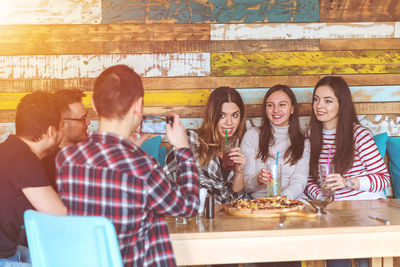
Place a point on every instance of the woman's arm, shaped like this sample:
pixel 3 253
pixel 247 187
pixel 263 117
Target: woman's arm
pixel 369 172
pixel 313 191
pixel 377 178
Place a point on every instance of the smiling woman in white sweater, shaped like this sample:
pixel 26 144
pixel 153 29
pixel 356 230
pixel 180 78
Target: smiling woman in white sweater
pixel 279 132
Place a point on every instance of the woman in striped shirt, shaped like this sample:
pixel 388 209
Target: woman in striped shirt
pixel 360 172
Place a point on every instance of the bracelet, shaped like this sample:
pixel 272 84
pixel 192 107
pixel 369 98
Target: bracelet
pixel 349 183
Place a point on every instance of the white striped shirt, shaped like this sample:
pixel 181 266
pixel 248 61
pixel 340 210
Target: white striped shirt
pixel 368 167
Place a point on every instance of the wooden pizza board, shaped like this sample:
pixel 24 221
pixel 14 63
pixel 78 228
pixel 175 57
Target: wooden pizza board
pixel 295 212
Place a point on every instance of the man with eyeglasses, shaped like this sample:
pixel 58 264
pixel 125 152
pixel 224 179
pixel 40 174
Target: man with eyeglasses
pixel 76 122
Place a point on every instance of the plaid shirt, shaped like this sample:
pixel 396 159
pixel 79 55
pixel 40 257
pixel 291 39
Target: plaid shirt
pixel 107 175
pixel 212 177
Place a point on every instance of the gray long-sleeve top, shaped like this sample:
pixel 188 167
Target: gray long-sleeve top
pixel 294 177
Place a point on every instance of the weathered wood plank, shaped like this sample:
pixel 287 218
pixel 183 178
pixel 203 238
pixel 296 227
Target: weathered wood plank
pixel 145 47
pixel 50 12
pixel 360 10
pixel 102 33
pixel 86 84
pixel 359 44
pixel 397 30
pixel 196 97
pixel 213 11
pixel 90 66
pixel 253 110
pixel 302 31
pixel 305 63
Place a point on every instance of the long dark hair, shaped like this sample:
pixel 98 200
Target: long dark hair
pixel 210 140
pixel 296 148
pixel 344 155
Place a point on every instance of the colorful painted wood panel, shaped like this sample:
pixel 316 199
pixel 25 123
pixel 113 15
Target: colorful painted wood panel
pixel 374 95
pixel 71 66
pixel 50 12
pixel 211 11
pixel 305 63
pixel 302 31
pixel 360 10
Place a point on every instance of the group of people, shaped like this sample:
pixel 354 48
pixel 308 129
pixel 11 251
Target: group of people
pixel 334 132
pixel 51 165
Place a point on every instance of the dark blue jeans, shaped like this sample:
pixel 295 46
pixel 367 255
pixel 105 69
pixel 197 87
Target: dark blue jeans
pixel 21 258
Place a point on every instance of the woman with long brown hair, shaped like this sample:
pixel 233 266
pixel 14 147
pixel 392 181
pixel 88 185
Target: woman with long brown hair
pixel 279 132
pixel 224 118
pixel 335 133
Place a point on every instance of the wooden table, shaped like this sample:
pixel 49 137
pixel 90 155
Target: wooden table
pixel 345 231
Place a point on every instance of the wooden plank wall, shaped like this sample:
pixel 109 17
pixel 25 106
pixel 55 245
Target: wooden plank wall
pixel 184 49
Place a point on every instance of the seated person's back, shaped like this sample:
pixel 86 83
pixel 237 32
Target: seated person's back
pixel 108 175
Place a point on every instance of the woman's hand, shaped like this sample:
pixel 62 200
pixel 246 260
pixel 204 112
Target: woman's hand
pixel 237 156
pixel 264 177
pixel 335 181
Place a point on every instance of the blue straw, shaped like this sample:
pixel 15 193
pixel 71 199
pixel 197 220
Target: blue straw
pixel 274 188
pixel 277 158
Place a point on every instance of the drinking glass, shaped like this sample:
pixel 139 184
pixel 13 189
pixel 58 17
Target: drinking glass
pixel 227 163
pixel 324 170
pixel 274 187
pixel 181 220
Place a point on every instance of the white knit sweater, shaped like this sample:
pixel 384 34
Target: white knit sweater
pixel 294 177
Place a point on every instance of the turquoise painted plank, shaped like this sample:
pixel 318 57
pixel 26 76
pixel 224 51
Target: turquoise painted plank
pixel 212 11
pixel 390 93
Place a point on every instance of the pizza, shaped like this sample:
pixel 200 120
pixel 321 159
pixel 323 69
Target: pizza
pixel 266 207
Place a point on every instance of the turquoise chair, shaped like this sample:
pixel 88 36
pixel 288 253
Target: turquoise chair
pixel 153 147
pixel 79 241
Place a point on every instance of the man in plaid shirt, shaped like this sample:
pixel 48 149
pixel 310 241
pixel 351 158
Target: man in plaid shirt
pixel 107 175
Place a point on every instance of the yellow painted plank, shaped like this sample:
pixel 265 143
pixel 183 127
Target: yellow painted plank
pixel 305 63
pixel 9 101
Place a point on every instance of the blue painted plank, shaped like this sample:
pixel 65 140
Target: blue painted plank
pixel 212 11
pixel 390 93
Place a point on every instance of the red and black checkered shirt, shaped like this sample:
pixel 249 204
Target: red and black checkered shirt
pixel 107 175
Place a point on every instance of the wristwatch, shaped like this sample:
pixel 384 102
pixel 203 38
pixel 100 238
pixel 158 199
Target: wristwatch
pixel 349 183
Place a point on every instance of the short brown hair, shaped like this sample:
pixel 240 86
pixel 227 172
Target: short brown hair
pixel 36 112
pixel 115 90
pixel 65 97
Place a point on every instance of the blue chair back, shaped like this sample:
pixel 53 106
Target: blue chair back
pixel 87 241
pixel 152 146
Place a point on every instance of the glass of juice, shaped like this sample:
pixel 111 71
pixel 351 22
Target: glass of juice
pixel 227 163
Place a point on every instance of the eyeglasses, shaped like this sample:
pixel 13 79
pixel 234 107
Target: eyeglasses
pixel 84 119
